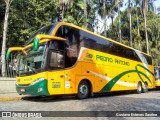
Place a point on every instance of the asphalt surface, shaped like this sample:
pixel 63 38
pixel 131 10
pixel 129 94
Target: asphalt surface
pixel 111 102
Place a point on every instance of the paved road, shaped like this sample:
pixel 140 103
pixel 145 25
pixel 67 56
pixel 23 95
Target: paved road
pixel 110 102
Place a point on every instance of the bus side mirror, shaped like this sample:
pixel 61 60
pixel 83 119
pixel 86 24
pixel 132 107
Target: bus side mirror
pixel 38 39
pixel 36 43
pixel 8 54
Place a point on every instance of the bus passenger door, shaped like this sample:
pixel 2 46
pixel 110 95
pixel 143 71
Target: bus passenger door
pixel 56 72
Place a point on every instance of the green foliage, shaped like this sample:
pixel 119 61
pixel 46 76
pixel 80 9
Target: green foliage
pixel 76 14
pixel 2 13
pixel 26 16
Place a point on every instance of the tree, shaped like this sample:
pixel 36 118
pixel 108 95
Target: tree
pixel 2 13
pixel 8 3
pixel 64 5
pixel 29 19
pixel 119 21
pixel 117 7
pixel 130 22
pixel 38 14
pixel 158 10
pixel 2 9
pixel 145 7
pixel 104 17
pixel 136 6
pixel 81 14
pixel 115 31
pixel 85 13
pixel 105 7
pixel 153 31
pixel 151 5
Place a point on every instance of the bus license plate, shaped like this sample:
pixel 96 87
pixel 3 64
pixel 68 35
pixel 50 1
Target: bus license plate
pixel 22 90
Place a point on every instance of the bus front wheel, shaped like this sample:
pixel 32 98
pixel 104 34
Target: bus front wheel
pixel 139 88
pixel 83 90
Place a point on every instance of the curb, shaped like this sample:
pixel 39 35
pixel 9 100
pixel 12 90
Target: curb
pixel 7 79
pixel 5 99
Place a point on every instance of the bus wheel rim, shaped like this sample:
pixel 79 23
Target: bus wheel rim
pixel 83 89
pixel 145 86
pixel 139 87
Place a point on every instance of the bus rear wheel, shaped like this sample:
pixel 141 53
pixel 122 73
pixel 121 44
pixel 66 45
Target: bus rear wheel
pixel 145 89
pixel 139 88
pixel 83 90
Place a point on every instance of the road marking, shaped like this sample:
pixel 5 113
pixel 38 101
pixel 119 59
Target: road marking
pixel 5 99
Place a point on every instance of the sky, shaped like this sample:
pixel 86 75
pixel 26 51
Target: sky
pixel 100 29
pixel 157 3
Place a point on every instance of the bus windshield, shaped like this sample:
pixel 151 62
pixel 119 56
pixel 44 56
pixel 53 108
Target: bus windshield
pixel 33 61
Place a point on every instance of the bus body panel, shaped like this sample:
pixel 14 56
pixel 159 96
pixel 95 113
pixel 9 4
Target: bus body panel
pixel 25 80
pixel 98 70
pixel 105 72
pixel 107 67
pixel 33 85
pixel 56 82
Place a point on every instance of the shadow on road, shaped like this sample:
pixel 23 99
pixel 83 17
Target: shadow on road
pixel 56 98
pixel 48 98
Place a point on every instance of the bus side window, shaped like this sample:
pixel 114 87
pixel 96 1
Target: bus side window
pixel 121 51
pixel 71 46
pixel 113 48
pixel 56 60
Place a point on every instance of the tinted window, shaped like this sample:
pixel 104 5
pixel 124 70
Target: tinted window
pixel 56 60
pixel 71 44
pixel 57 45
pixel 96 43
pixel 84 39
pixel 122 51
pixel 149 59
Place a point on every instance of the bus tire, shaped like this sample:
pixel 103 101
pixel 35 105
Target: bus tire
pixel 145 89
pixel 83 90
pixel 139 88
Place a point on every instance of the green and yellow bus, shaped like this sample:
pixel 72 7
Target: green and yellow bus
pixel 63 58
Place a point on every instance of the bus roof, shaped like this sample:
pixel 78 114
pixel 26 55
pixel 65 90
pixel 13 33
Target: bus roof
pixel 74 26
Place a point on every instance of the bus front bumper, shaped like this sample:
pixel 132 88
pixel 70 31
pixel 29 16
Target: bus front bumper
pixel 39 87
